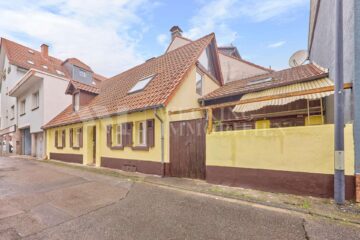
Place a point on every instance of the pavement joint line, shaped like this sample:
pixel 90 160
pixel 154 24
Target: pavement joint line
pixel 248 202
pixel 307 237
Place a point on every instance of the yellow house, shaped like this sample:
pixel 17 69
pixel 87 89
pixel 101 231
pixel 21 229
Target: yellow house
pixel 125 124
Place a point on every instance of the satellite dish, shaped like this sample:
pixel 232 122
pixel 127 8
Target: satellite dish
pixel 299 58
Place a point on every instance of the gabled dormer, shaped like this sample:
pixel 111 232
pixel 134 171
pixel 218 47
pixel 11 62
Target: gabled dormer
pixel 81 93
pixel 79 71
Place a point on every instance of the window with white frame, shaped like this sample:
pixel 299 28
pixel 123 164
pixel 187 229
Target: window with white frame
pixel 22 107
pixel 141 133
pixel 77 137
pixel 12 112
pixel 118 135
pixel 82 73
pixel 76 102
pixel 35 100
pixel 141 84
pixel 199 83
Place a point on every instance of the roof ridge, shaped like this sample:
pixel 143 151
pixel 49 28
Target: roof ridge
pixel 250 63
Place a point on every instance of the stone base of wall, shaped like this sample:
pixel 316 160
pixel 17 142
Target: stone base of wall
pixel 309 184
pixel 66 157
pixel 357 184
pixel 147 167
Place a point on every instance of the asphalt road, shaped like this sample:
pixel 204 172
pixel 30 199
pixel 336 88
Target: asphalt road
pixel 44 201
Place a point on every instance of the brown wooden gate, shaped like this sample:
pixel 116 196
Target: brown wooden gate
pixel 187 149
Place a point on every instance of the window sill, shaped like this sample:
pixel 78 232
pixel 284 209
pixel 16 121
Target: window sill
pixel 34 108
pixel 140 148
pixel 59 147
pixel 117 147
pixel 75 147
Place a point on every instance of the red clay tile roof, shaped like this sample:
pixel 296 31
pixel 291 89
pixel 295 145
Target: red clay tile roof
pixel 85 87
pixel 78 63
pixel 280 78
pixel 99 77
pixel 169 69
pixel 19 55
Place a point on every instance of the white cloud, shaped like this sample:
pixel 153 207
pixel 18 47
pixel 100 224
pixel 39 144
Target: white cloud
pixel 264 10
pixel 163 39
pixel 213 16
pixel 217 15
pixel 101 33
pixel 277 44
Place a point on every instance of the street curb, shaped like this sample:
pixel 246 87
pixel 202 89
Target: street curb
pixel 144 179
pixel 269 205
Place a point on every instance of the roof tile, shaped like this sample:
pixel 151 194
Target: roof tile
pixel 113 98
pixel 284 77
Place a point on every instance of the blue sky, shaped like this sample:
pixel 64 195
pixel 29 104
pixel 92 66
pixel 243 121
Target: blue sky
pixel 113 35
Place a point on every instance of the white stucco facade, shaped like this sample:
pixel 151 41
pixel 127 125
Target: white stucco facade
pixel 51 101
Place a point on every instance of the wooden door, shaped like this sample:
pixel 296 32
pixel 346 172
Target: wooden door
pixel 187 149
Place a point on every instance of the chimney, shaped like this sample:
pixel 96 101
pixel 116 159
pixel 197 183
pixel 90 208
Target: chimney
pixel 175 32
pixel 44 50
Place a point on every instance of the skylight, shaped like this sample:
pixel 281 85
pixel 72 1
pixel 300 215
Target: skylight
pixel 60 73
pixel 30 62
pixel 30 51
pixel 258 81
pixel 45 67
pixel 140 85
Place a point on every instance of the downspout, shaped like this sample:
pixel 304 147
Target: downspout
pixel 162 142
pixel 356 96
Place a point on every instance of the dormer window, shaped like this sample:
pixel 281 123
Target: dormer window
pixel 82 73
pixel 140 85
pixel 76 102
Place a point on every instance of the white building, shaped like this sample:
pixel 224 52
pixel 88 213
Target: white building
pixel 33 86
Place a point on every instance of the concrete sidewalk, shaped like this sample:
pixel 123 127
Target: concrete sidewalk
pixel 54 200
pixel 326 208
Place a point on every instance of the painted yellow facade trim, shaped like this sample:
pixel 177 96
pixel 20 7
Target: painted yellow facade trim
pixel 298 149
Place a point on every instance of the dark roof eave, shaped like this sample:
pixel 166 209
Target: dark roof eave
pixel 105 116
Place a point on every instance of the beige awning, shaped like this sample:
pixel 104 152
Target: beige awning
pixel 298 87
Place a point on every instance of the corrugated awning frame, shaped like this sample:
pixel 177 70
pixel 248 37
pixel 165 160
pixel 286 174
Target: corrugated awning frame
pixel 305 86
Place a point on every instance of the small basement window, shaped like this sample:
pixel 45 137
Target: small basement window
pixel 140 85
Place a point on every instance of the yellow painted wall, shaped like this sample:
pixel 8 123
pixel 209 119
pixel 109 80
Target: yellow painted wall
pixel 184 98
pixel 154 154
pixel 298 149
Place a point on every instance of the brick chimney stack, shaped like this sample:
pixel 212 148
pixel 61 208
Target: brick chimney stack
pixel 44 50
pixel 175 32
